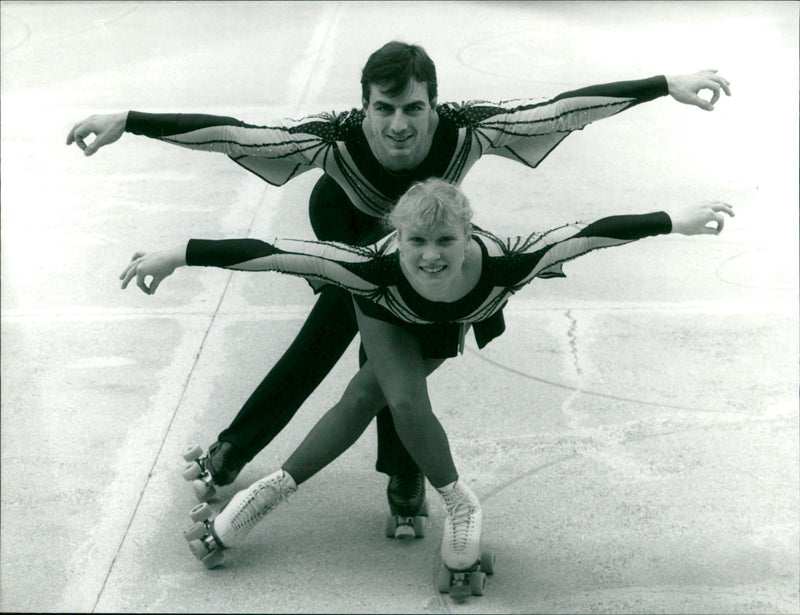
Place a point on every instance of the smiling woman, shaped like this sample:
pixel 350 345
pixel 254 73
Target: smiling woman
pixel 434 273
pixel 438 257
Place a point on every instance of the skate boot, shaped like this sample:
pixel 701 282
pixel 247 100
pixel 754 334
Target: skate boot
pixel 408 509
pixel 210 534
pixel 464 564
pixel 218 467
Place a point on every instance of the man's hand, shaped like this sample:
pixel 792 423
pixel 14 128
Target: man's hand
pixel 686 88
pixel 157 265
pixel 107 128
pixel 693 220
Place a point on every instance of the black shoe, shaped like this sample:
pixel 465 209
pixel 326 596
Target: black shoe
pixel 406 494
pixel 224 463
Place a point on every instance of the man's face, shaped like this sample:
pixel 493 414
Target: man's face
pixel 399 128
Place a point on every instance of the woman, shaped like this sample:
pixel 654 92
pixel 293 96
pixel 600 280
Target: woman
pixel 435 272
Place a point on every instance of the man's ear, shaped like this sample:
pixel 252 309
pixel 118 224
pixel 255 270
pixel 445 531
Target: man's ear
pixel 433 103
pixel 364 103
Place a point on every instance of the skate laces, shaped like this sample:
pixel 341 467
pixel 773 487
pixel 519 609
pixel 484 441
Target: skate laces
pixel 263 497
pixel 462 518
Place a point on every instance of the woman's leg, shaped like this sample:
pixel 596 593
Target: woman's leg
pixel 400 370
pixel 396 359
pixel 323 338
pixel 341 426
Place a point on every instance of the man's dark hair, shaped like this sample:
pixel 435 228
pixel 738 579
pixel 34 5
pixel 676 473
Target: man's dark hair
pixel 392 67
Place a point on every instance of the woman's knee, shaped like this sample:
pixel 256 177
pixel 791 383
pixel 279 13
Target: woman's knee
pixel 405 406
pixel 363 398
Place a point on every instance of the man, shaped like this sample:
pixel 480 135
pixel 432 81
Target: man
pixel 370 157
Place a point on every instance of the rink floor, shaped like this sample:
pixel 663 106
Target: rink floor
pixel 633 437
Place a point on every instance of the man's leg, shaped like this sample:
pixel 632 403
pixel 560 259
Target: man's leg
pixel 334 217
pixel 326 334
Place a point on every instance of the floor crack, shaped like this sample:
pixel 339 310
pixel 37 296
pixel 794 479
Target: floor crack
pixel 572 339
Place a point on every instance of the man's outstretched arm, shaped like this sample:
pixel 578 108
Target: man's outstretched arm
pixel 687 88
pixel 110 127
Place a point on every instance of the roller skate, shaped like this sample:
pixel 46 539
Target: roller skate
pixel 407 505
pixel 218 467
pixel 211 535
pixel 464 564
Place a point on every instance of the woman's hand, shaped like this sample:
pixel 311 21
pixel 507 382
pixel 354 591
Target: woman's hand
pixel 157 265
pixel 107 128
pixel 694 220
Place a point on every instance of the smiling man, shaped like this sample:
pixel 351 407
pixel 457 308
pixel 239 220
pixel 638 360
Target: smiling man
pixel 370 157
pixel 399 126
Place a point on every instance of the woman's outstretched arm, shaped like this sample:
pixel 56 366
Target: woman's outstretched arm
pixel 158 265
pixel 350 267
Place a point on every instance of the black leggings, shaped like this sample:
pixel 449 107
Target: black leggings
pixel 323 338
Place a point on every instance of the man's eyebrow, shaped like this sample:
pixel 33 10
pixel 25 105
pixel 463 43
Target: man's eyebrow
pixel 413 103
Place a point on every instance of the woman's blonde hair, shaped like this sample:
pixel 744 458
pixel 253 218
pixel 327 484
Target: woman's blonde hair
pixel 431 202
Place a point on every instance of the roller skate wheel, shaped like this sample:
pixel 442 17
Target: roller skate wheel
pixel 195 532
pixel 419 526
pixel 460 591
pixel 213 559
pixel 477 583
pixel 192 470
pixel 404 531
pixel 391 526
pixel 191 453
pixel 443 580
pixel 488 560
pixel 198 549
pixel 201 512
pixel 203 491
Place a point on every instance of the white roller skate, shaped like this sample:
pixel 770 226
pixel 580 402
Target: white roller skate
pixel 210 534
pixel 464 564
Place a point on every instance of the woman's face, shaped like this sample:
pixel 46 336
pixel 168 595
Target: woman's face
pixel 433 256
